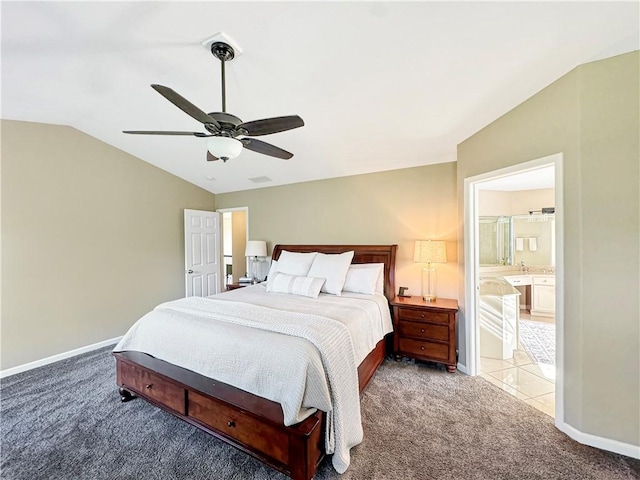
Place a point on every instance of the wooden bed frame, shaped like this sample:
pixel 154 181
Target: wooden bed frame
pixel 250 423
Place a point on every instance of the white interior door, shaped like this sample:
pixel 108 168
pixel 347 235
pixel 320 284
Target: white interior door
pixel 203 268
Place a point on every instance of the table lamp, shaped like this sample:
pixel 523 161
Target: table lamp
pixel 253 250
pixel 430 252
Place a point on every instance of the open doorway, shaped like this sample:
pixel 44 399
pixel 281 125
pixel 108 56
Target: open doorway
pixel 513 275
pixel 235 231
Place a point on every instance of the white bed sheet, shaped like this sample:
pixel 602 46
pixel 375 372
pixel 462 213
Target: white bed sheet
pixel 367 327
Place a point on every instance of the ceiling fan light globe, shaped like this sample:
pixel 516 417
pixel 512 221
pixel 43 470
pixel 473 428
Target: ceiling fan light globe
pixel 224 148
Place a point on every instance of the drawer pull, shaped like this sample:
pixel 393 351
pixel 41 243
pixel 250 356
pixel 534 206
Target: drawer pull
pixel 231 423
pixel 422 330
pixel 148 386
pixel 422 315
pixel 422 347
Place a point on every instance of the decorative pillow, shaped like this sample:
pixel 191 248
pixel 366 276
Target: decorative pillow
pixel 295 263
pixel 294 284
pixel 364 278
pixel 333 268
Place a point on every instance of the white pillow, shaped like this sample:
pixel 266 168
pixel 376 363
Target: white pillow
pixel 294 284
pixel 380 282
pixel 333 268
pixel 295 263
pixel 364 278
pixel 272 269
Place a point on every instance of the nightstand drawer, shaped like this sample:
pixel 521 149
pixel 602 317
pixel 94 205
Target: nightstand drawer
pixel 423 330
pixel 422 315
pixel 417 348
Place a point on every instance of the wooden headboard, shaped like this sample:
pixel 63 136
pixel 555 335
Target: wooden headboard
pixel 361 254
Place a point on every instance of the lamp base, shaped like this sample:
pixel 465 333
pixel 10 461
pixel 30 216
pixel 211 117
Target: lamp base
pixel 429 283
pixel 254 270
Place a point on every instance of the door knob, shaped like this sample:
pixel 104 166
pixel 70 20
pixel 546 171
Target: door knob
pixel 189 272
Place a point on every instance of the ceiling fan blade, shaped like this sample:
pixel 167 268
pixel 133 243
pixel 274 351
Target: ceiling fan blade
pixel 155 132
pixel 265 148
pixel 272 125
pixel 185 105
pixel 211 158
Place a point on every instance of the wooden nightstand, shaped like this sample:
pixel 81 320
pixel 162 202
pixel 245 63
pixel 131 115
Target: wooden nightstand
pixel 425 330
pixel 233 286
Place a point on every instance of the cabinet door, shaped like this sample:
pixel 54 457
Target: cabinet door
pixel 544 299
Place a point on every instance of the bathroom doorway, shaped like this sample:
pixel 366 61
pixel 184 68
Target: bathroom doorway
pixel 513 271
pixel 235 233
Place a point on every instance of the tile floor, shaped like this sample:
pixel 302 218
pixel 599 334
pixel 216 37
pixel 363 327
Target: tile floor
pixel 534 383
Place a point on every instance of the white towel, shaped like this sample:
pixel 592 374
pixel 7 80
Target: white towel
pixel 519 244
pixel 533 244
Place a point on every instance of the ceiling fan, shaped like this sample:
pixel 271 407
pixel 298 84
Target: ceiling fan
pixel 223 128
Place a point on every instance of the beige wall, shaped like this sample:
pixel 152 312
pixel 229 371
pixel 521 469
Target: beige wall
pixel 591 116
pixel 517 202
pixel 525 200
pixel 92 238
pixel 494 203
pixel 398 207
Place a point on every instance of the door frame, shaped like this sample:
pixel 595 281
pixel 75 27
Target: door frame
pixel 471 267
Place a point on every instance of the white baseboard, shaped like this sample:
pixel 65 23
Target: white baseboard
pixel 56 358
pixel 462 368
pixel 602 443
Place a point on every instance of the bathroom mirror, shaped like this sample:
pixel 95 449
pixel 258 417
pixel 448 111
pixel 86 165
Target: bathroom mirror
pixel 534 239
pixel 495 240
pixel 509 240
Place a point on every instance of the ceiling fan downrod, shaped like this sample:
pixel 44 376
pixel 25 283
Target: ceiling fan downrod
pixel 223 52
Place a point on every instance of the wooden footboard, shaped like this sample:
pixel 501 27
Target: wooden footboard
pixel 248 422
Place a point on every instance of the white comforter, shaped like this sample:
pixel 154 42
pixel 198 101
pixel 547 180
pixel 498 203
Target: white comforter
pixel 300 352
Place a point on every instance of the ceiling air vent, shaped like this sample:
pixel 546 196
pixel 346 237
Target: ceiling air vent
pixel 262 179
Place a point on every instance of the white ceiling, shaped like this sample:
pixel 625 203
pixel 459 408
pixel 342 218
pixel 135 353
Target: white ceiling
pixel 380 85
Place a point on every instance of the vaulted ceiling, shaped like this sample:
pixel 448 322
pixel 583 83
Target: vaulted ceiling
pixel 380 85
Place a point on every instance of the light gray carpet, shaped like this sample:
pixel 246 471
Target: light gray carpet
pixel 65 421
pixel 539 340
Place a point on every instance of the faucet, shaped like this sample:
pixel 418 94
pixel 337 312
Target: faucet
pixel 523 268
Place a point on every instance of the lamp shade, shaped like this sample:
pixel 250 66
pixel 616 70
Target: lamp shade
pixel 430 251
pixel 224 148
pixel 256 248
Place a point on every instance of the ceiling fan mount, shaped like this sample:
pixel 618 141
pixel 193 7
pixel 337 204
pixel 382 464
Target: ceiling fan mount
pixel 222 51
pixel 223 127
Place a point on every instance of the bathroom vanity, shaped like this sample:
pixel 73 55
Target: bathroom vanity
pixel 543 295
pixel 538 292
